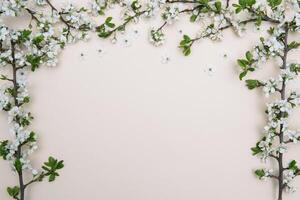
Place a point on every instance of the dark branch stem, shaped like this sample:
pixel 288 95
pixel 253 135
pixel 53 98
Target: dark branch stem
pixel 162 26
pixel 189 9
pixel 129 19
pixel 282 94
pixel 227 3
pixel 69 26
pixel 265 18
pixel 32 14
pixel 15 95
pixel 36 179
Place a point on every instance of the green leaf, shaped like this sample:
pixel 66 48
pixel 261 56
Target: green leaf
pixel 51 177
pixel 111 25
pixel 252 83
pixel 24 36
pixel 102 32
pixel 51 167
pixel 293 45
pixel 238 8
pixel 18 165
pixel 31 138
pixel 245 3
pixel 243 63
pixel 34 61
pixel 185 45
pixel 101 12
pixel 293 165
pixel 60 164
pixel 135 5
pixel 249 56
pixel 13 191
pixel 274 3
pixel 108 19
pixel 258 20
pixel 37 40
pixel 203 2
pixel 251 2
pixel 187 51
pixel 242 75
pixel 3 150
pixel 186 38
pixel 260 173
pixel 255 150
pixel 218 6
pixel 193 18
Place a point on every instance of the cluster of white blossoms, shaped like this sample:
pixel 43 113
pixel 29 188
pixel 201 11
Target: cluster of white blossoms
pixel 5 100
pixel 274 84
pixel 40 2
pixel 279 111
pixel 225 17
pixel 152 7
pixel 12 7
pixel 171 14
pixel 157 37
pixel 76 19
pixel 288 177
pixel 294 98
pixel 267 173
pixel 271 86
pixel 269 48
pixel 274 46
pixel 97 6
pixel 292 136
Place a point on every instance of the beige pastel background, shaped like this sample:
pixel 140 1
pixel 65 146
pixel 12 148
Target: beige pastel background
pixel 132 128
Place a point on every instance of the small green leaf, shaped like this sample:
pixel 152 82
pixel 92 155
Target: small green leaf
pixel 255 150
pixel 245 3
pixel 260 173
pixel 293 165
pixel 3 149
pixel 51 167
pixel 108 19
pixel 238 8
pixel 193 18
pixel 60 164
pixel 293 45
pixel 242 75
pixel 24 36
pixel 258 20
pixel 34 61
pixel 252 83
pixel 186 38
pixel 249 56
pixel 218 6
pixel 243 63
pixel 18 165
pixel 111 25
pixel 13 191
pixel 37 40
pixel 187 51
pixel 274 3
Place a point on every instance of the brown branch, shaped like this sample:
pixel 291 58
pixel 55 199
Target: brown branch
pixel 15 94
pixel 281 136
